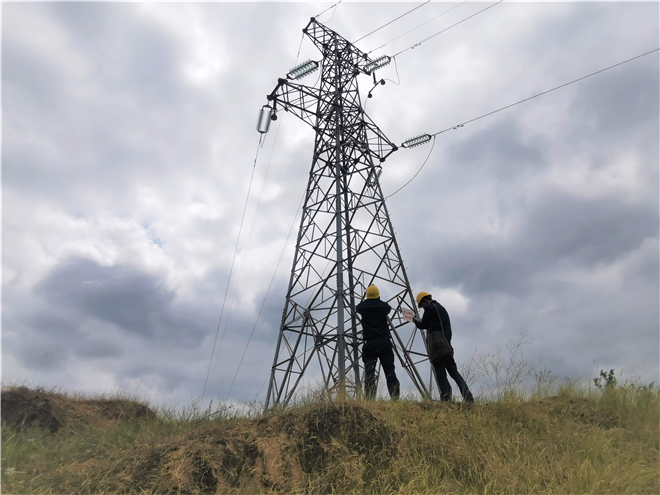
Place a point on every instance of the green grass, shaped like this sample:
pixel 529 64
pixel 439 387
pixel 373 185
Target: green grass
pixel 569 441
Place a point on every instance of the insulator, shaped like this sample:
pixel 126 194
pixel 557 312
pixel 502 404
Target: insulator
pixel 265 115
pixel 417 141
pixel 303 69
pixel 378 63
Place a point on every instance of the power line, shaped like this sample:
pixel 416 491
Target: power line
pixel 263 303
pixel 261 388
pixel 544 92
pixel 416 28
pixel 240 229
pixel 514 104
pixel 446 29
pixel 247 245
pixel 299 47
pixel 331 7
pixel 393 20
pixel 264 300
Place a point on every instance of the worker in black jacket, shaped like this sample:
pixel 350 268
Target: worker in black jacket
pixel 436 319
pixel 377 343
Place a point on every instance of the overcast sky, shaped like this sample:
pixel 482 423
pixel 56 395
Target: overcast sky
pixel 129 139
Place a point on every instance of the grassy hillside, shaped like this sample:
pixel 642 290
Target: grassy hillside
pixel 570 442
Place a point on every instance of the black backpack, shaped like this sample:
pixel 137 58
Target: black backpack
pixel 438 346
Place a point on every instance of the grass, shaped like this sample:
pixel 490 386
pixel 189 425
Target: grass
pixel 561 440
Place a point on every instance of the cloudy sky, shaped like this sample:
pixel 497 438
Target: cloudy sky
pixel 129 140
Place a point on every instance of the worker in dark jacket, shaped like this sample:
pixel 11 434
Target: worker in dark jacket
pixel 436 319
pixel 377 343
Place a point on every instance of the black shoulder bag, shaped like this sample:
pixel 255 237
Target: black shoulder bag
pixel 439 347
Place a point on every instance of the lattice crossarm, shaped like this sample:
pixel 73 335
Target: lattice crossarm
pixel 302 101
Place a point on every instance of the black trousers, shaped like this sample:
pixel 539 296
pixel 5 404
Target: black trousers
pixel 372 351
pixel 448 366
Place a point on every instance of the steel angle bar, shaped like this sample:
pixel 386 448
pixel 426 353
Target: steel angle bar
pixel 300 375
pixel 408 365
pixel 343 187
pixel 373 247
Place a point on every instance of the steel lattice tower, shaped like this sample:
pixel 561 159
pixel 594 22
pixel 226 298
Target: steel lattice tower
pixel 346 241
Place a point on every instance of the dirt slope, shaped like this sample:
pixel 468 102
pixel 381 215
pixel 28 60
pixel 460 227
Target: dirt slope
pixel 23 408
pixel 561 444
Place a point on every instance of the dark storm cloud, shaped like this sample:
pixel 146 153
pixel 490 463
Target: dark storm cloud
pixel 572 39
pixel 42 346
pixel 643 271
pixel 168 377
pixel 588 318
pixel 497 150
pixel 96 348
pixel 54 321
pixel 607 325
pixel 271 314
pixel 558 231
pixel 133 300
pixel 37 336
pixel 562 228
pixel 606 104
pixel 605 109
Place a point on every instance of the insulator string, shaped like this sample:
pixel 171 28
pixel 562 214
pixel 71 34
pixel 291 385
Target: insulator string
pixel 518 103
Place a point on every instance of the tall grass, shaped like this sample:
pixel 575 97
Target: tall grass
pixel 529 432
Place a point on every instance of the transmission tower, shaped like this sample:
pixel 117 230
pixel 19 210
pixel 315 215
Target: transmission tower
pixel 346 241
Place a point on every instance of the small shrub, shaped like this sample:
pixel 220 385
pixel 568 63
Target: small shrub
pixel 606 381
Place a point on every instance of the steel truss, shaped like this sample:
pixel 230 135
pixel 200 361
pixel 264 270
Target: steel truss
pixel 345 242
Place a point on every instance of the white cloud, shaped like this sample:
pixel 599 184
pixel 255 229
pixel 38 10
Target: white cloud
pixel 129 141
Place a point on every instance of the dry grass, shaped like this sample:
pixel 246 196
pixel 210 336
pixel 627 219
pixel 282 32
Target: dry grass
pixel 569 442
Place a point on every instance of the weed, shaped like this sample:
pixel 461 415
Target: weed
pixel 575 440
pixel 503 374
pixel 606 380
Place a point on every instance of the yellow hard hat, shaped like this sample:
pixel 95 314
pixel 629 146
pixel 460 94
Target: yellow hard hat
pixel 421 296
pixel 373 292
